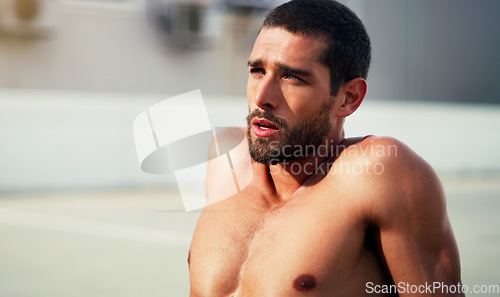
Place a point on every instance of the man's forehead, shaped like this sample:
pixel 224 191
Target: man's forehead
pixel 269 34
pixel 277 44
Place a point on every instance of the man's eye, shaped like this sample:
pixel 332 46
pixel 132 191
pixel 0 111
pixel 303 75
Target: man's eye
pixel 256 71
pixel 292 77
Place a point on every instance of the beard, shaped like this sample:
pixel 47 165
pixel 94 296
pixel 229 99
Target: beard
pixel 293 142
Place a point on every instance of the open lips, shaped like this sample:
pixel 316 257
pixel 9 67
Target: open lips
pixel 263 127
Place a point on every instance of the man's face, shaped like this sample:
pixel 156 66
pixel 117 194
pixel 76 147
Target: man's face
pixel 289 96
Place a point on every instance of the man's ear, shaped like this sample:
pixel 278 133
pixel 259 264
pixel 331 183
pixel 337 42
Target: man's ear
pixel 354 93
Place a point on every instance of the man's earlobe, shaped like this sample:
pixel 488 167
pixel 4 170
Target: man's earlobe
pixel 355 91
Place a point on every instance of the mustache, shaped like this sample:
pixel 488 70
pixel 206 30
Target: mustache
pixel 264 114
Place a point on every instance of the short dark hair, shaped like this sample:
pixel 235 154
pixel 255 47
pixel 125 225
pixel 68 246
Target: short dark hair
pixel 347 53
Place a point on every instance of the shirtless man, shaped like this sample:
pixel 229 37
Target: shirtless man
pixel 323 215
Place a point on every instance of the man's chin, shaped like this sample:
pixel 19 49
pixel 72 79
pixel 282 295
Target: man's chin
pixel 263 159
pixel 267 158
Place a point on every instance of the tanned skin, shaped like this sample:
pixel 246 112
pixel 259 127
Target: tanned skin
pixel 371 210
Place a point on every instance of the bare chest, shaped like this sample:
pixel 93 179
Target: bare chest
pixel 304 246
pixel 300 247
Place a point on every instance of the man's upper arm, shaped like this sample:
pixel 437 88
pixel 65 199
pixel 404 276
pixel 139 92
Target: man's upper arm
pixel 417 242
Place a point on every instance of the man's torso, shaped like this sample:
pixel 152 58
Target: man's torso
pixel 319 241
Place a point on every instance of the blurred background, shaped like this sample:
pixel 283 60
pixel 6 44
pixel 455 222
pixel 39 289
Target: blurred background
pixel 77 215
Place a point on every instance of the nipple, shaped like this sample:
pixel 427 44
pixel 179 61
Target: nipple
pixel 304 282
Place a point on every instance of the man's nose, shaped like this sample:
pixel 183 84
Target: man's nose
pixel 268 93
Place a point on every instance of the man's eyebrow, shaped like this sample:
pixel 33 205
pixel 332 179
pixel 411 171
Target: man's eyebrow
pixel 292 69
pixel 254 63
pixel 258 63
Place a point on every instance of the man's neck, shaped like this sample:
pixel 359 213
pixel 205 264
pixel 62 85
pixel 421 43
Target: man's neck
pixel 287 177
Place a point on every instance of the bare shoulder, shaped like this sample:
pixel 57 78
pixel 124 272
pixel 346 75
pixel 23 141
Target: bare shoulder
pixel 387 158
pixel 392 177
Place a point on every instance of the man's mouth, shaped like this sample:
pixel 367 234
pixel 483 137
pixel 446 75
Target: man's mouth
pixel 263 128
